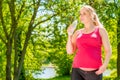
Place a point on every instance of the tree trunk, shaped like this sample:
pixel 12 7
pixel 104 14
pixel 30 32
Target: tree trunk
pixel 118 60
pixel 22 74
pixel 118 46
pixel 8 64
pixel 20 65
pixel 28 35
pixel 17 58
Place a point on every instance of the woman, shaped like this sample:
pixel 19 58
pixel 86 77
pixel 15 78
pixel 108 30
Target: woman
pixel 87 43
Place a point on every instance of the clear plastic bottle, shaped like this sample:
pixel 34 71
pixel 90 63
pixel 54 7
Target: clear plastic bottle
pixel 73 27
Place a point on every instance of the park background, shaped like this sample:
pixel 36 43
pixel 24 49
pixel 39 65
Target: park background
pixel 33 35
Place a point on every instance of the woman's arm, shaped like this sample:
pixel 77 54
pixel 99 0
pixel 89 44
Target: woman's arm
pixel 107 49
pixel 71 43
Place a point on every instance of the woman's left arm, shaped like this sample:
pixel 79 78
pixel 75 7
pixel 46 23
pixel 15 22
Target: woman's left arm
pixel 107 49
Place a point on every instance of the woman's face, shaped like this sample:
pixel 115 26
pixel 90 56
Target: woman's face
pixel 84 16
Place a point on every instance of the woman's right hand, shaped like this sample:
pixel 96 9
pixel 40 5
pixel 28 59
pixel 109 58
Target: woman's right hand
pixel 72 27
pixel 70 30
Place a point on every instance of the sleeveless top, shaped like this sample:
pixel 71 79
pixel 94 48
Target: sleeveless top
pixel 89 50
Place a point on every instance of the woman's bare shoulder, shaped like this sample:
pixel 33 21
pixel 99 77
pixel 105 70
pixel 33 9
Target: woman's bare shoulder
pixel 102 31
pixel 76 33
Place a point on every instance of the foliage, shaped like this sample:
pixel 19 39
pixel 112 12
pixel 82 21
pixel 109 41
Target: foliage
pixel 57 33
pixel 49 36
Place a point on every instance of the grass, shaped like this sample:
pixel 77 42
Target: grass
pixel 68 78
pixel 57 78
pixel 61 78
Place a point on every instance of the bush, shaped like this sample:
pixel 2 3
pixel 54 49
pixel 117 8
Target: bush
pixel 63 61
pixel 110 78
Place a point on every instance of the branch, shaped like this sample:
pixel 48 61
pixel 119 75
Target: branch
pixel 2 20
pixel 2 39
pixel 20 12
pixel 15 56
pixel 34 2
pixel 34 14
pixel 44 20
pixel 13 18
pixel 28 35
pixel 12 9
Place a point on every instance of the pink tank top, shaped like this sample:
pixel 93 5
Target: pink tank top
pixel 89 50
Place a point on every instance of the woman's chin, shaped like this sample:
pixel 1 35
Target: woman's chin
pixel 82 22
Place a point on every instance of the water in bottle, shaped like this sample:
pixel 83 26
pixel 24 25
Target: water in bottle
pixel 73 25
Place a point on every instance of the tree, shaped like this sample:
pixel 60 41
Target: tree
pixel 23 34
pixel 16 12
pixel 117 4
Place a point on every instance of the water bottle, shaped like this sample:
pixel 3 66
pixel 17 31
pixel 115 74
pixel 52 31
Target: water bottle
pixel 73 27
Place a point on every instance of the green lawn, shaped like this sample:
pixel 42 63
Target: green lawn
pixel 68 78
pixel 61 78
pixel 57 78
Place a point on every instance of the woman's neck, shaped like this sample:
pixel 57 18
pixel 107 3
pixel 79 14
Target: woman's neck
pixel 88 27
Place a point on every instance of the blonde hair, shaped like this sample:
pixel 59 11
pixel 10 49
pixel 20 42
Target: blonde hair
pixel 93 14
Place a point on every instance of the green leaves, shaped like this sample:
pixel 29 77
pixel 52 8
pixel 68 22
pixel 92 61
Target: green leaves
pixel 47 42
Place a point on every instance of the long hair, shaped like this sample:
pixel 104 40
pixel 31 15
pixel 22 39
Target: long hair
pixel 93 14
